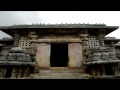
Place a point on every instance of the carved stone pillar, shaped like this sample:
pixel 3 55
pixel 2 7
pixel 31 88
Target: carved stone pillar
pixel 2 68
pixel 115 69
pixel 103 70
pixel 98 70
pixel 93 71
pixel 101 42
pixel 16 39
pixel 113 51
pixel 84 44
pixel 101 35
pixel 20 73
pixel 26 74
pixel 83 35
pixel 33 37
pixel 112 46
pixel 14 73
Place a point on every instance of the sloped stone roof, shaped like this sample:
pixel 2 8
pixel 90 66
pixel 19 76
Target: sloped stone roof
pixel 111 39
pixel 117 44
pixel 92 28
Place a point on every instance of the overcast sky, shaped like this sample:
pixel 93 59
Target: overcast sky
pixel 110 18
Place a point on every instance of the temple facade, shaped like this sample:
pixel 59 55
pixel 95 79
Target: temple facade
pixel 61 51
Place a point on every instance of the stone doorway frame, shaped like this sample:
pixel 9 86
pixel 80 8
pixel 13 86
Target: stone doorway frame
pixel 43 52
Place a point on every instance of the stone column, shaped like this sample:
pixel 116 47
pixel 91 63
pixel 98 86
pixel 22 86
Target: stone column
pixel 26 72
pixel 23 72
pixel 101 35
pixel 112 52
pixel 112 44
pixel 98 70
pixel 83 35
pixel 101 42
pixel 115 69
pixel 32 35
pixel 103 70
pixel 16 39
pixel 20 72
pixel 2 68
pixel 14 72
pixel 93 71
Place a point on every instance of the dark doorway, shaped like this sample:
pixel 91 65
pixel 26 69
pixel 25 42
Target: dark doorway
pixel 8 71
pixel 108 69
pixel 59 55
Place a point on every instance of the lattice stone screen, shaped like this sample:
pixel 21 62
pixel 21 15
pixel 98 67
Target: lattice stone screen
pixel 92 42
pixel 24 42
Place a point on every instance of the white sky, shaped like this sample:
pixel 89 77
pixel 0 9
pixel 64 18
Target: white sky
pixel 110 18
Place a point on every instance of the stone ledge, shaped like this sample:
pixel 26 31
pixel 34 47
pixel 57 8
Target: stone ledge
pixel 16 63
pixel 102 62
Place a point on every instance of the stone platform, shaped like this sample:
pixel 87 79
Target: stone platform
pixel 59 73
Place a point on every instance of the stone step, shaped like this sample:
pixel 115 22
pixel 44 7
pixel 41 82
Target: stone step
pixel 61 71
pixel 58 74
pixel 74 76
pixel 58 77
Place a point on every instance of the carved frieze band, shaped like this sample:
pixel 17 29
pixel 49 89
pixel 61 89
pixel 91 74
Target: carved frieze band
pixel 58 40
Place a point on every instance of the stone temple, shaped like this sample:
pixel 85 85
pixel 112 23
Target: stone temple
pixel 59 51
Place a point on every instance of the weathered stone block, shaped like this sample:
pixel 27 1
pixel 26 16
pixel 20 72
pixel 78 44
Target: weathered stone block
pixel 75 54
pixel 43 55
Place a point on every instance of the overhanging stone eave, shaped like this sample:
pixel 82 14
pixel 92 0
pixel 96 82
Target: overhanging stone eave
pixel 9 30
pixel 58 26
pixel 6 40
pixel 110 30
pixel 111 40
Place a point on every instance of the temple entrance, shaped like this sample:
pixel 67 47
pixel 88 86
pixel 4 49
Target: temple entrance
pixel 8 71
pixel 59 55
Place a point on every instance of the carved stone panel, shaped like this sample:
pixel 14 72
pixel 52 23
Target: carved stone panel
pixel 43 55
pixel 75 54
